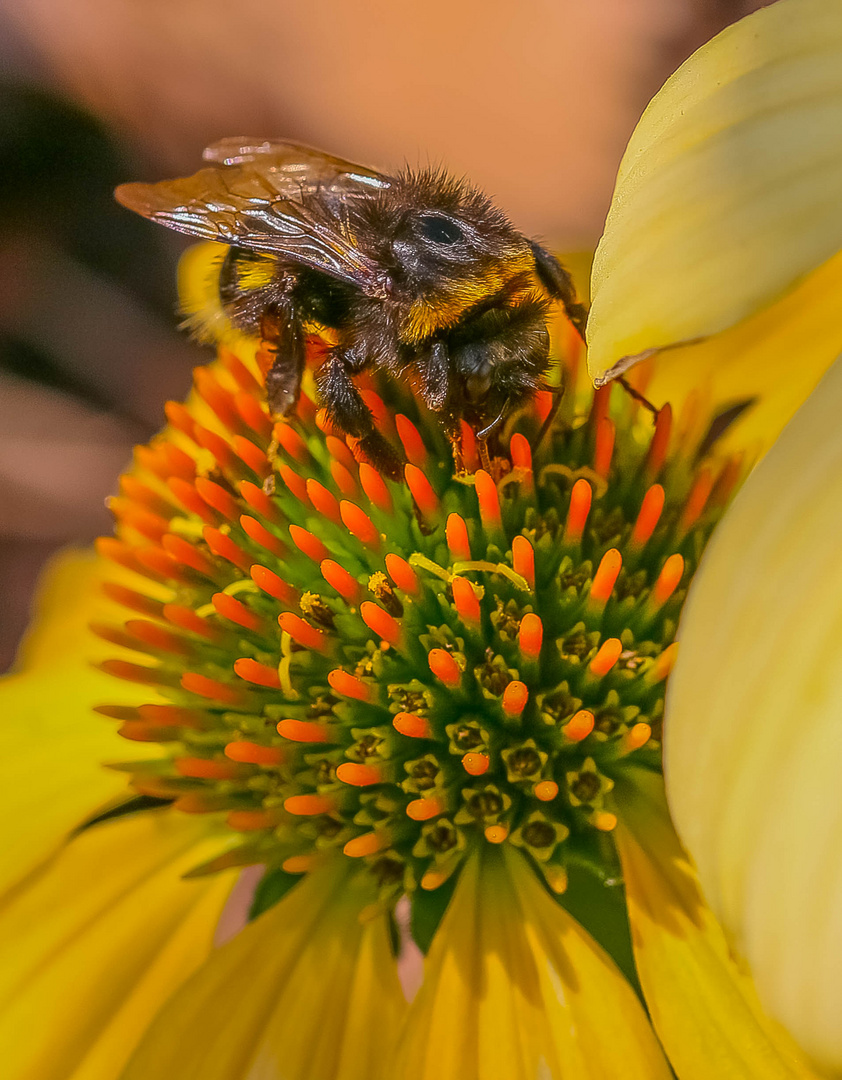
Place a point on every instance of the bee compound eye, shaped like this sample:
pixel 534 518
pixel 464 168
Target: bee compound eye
pixel 439 229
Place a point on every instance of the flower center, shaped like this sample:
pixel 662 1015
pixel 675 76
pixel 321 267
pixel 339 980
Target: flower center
pixel 404 672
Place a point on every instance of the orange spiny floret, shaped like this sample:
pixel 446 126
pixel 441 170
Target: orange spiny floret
pixel 606 657
pixel 367 844
pixel 605 577
pixel 348 685
pixel 324 502
pixel 344 479
pixel 458 542
pixel 137 731
pixel 144 496
pixel 115 635
pixel 253 413
pixel 359 775
pixel 381 623
pixel 599 406
pixel 296 484
pixel 604 448
pixel 521 451
pixel 444 667
pixel 545 790
pixel 604 820
pixel 523 560
pixel 668 579
pixel 252 820
pixel 496 834
pixel 179 417
pixel 410 437
pixel 219 399
pixel 663 664
pixel 308 544
pixel 255 753
pixel 165 460
pixel 121 553
pixel 304 634
pixel 650 514
pixel 216 496
pixel 402 574
pixel 290 441
pixel 425 809
pixel 638 735
pixel 515 697
pixel 250 671
pixel 223 546
pixel 465 601
pixel 133 600
pixel 158 637
pixel 259 501
pixel 135 517
pixel 300 864
pixel 341 452
pixel 476 764
pixel 305 409
pixel 190 498
pixel 304 731
pixel 359 524
pixel 531 636
pixel 326 425
pixel 174 716
pixel 470 457
pixel 581 497
pixel 309 805
pixel 187 619
pixel 659 446
pixel 422 491
pixel 414 727
pixel 375 488
pixel 341 580
pixel 240 373
pixel 542 404
pixel 261 535
pixel 252 455
pixel 235 611
pixel 377 408
pixel 213 689
pixel 579 726
pixel 211 768
pixel 489 501
pixel 146 676
pixel 696 500
pixel 225 456
pixel 188 554
pixel 274 586
pixel 162 565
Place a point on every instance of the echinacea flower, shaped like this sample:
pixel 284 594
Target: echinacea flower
pixel 432 710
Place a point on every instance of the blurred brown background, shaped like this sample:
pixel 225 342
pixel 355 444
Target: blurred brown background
pixel 533 100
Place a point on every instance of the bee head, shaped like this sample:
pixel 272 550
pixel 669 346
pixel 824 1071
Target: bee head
pixel 448 241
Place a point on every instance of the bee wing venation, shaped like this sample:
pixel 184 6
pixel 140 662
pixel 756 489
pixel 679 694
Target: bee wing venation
pixel 273 197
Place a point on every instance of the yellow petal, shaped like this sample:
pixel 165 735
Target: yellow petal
pixel 94 944
pixel 704 1009
pixel 728 193
pixel 754 743
pixel 514 989
pixel 53 743
pixel 305 992
pixel 775 358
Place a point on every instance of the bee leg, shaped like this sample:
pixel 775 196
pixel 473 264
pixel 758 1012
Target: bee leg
pixel 285 338
pixel 559 285
pixel 348 411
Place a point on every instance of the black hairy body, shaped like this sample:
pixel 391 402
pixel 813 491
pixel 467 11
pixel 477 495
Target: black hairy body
pixel 419 275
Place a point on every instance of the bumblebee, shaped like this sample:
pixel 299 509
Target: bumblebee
pixel 417 274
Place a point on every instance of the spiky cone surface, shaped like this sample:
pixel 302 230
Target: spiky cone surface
pixel 401 673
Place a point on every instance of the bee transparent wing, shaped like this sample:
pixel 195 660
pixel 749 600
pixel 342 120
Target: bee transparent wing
pixel 275 198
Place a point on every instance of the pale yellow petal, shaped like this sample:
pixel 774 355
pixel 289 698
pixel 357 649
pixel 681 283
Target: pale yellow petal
pixel 515 989
pixel 95 943
pixel 775 359
pixel 51 776
pixel 305 992
pixel 754 740
pixel 704 1008
pixel 728 193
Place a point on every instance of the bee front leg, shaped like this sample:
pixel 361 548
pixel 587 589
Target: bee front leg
pixel 283 334
pixel 559 285
pixel 348 411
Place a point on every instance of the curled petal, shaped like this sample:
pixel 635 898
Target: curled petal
pixel 728 191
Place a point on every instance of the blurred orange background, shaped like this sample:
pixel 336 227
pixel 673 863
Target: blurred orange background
pixel 533 100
